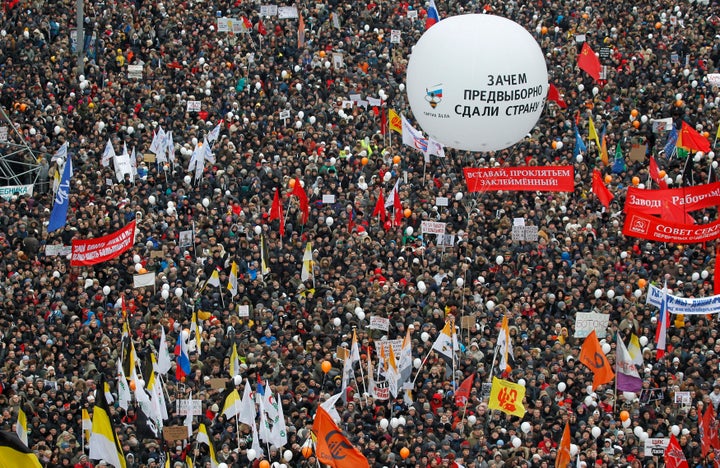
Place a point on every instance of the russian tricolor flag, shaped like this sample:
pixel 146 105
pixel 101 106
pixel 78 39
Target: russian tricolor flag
pixel 432 15
pixel 182 358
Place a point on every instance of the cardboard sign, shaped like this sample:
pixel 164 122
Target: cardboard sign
pixel 467 322
pixel 638 150
pixel 217 383
pixel 173 433
pixel 342 353
pixel 149 157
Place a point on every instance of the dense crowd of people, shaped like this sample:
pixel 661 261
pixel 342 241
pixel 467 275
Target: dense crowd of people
pixel 278 96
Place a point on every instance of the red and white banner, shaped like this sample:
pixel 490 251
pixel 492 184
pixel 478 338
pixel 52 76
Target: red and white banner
pixel 530 178
pixel 101 249
pixel 686 198
pixel 657 229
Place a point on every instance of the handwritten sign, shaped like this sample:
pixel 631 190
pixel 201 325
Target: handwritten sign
pixel 379 323
pixel 183 406
pixel 432 227
pixel 585 322
pixel 173 433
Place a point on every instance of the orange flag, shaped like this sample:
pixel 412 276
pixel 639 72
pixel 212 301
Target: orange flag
pixel 332 447
pixel 562 459
pixel 591 354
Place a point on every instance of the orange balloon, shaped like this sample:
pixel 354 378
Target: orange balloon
pixel 292 183
pixel 658 25
pixel 404 452
pixel 543 30
pixel 326 366
pixel 636 181
pixel 396 159
pixel 608 178
pixel 407 212
pixel 142 271
pixel 364 161
pixel 624 415
pixel 322 54
pixel 634 112
pixel 306 451
pixel 636 124
pixel 554 144
pixel 642 282
pixel 706 134
pixel 585 15
pixel 662 174
pixel 679 103
pixel 132 385
pixel 264 464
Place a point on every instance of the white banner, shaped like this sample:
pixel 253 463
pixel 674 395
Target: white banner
pixel 146 279
pixel 53 250
pixel 714 79
pixel 286 12
pixel 432 227
pixel 383 346
pixel 182 407
pixel 379 323
pixel 135 72
pixel 8 191
pixel 585 322
pixel 684 305
pixel 655 447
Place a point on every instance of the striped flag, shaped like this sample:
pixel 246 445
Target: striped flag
pixel 14 453
pixel 104 443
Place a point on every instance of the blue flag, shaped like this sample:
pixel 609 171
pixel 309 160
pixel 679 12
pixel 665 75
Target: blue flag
pixel 579 143
pixel 671 142
pixel 58 217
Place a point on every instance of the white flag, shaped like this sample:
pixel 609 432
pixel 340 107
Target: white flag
pixel 124 395
pixel 164 363
pixel 329 406
pixel 108 154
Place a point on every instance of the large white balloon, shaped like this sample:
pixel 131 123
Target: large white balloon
pixel 595 431
pixel 475 97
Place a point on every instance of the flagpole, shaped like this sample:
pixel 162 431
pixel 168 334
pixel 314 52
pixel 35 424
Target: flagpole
pixel 362 374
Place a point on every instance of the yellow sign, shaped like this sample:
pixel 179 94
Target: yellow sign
pixel 507 397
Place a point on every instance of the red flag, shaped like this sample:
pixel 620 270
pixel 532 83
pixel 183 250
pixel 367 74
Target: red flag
pixel 716 287
pixel 674 456
pixel 351 222
pixel 276 211
pixel 589 62
pixel 600 189
pixel 332 447
pixel 397 205
pixel 554 95
pixel 247 23
pixel 299 192
pixel 380 207
pixel 383 121
pixel 709 430
pixel 562 459
pixel 261 27
pixel 692 139
pixel 655 173
pixel 462 395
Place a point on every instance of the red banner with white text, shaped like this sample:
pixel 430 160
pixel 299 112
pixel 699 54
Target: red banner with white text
pixel 101 249
pixel 658 229
pixel 530 178
pixel 658 202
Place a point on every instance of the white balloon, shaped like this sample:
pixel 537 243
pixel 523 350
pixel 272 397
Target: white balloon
pixel 178 292
pixel 598 293
pixel 298 87
pixel 643 437
pixel 704 274
pixel 525 427
pixel 417 362
pixel 629 396
pixel 301 114
pixel 361 316
pixel 606 348
pixel 136 258
pixel 490 305
pixel 561 387
pixel 675 429
pixel 401 420
pixel 222 465
pixel 424 336
pixel 387 177
pixel 336 322
pixel 695 276
pixel 516 442
pixel 409 231
pixel 257 230
pixel 329 221
pixel 237 380
pixel 481 279
pixel 623 254
pixel 581 87
pixel 421 286
pixel 460 282
pixel 187 179
pixel 287 455
pixel 333 161
pixel 626 423
pixel 312 119
pixel 637 293
pixel 589 401
pixel 595 431
pixel 138 267
pixel 205 202
pixel 499 259
pixel 579 158
pixel 251 455
pixel 165 287
pixel 472 419
pixel 448 87
pixel 573 450
pixel 106 290
pixel 644 118
pixel 643 341
pixel 521 382
pixel 610 293
pixel 559 145
pixel 394 422
pixel 384 423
